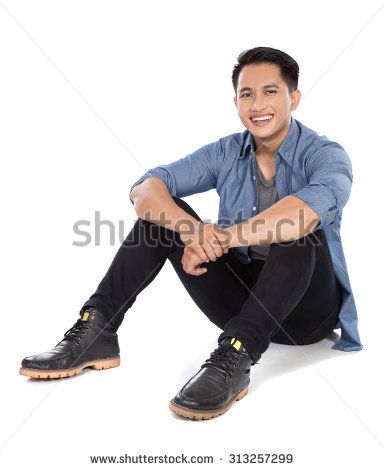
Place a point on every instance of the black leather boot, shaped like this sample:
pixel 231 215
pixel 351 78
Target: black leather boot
pixel 90 342
pixel 221 380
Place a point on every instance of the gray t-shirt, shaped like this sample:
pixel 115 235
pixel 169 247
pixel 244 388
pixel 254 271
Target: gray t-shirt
pixel 266 197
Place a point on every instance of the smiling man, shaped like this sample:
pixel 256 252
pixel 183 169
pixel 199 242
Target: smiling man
pixel 271 270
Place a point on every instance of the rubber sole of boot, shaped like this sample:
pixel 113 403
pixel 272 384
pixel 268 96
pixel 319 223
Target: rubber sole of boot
pixel 98 364
pixel 190 413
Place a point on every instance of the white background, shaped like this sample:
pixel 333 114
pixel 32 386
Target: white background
pixel 92 94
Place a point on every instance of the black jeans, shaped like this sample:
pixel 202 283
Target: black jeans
pixel 291 298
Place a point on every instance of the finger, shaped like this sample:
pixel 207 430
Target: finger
pixel 222 238
pixel 193 268
pixel 193 263
pixel 209 251
pixel 198 271
pixel 224 245
pixel 190 263
pixel 201 253
pixel 205 233
pixel 222 235
pixel 217 248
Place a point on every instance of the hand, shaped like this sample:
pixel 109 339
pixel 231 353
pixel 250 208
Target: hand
pixel 191 262
pixel 209 241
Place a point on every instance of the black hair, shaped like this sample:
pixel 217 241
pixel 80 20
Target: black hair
pixel 289 68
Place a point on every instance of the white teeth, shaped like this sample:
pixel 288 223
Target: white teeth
pixel 264 118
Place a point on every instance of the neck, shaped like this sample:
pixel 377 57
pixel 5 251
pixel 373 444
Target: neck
pixel 269 145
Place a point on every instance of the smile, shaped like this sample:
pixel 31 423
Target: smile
pixel 262 120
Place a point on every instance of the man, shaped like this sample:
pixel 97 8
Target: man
pixel 272 269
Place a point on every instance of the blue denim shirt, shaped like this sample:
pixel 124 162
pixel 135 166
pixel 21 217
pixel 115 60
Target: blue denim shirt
pixel 308 166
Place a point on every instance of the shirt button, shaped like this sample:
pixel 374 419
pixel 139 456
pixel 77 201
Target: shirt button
pixel 254 177
pixel 254 208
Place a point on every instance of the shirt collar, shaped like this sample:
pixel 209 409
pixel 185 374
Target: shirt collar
pixel 287 146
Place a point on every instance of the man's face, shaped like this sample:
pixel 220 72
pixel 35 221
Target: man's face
pixel 261 92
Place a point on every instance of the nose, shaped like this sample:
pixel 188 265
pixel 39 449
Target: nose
pixel 257 103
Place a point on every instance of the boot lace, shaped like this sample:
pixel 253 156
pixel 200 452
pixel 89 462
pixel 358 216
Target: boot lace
pixel 224 358
pixel 77 330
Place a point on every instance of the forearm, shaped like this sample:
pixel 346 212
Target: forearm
pixel 154 203
pixel 289 219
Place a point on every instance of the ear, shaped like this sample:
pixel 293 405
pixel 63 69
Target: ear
pixel 235 100
pixel 295 99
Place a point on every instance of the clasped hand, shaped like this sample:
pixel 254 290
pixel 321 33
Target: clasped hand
pixel 207 243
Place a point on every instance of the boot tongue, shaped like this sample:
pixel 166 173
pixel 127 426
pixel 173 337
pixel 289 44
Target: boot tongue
pixel 236 344
pixel 87 315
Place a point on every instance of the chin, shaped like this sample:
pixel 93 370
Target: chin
pixel 265 131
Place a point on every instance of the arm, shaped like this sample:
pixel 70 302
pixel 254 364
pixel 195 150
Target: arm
pixel 288 219
pixel 153 202
pixel 152 193
pixel 315 206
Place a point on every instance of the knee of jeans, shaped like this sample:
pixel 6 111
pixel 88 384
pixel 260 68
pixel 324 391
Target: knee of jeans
pixel 185 206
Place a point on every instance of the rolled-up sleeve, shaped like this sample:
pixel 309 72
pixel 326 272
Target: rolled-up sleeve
pixel 192 174
pixel 329 173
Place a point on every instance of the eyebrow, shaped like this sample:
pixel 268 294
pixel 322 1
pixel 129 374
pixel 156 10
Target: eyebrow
pixel 247 88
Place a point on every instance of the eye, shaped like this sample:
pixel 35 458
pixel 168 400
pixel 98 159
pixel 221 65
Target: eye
pixel 271 91
pixel 245 95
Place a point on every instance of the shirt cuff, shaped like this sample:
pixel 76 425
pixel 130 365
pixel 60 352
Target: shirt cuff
pixel 318 198
pixel 151 174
